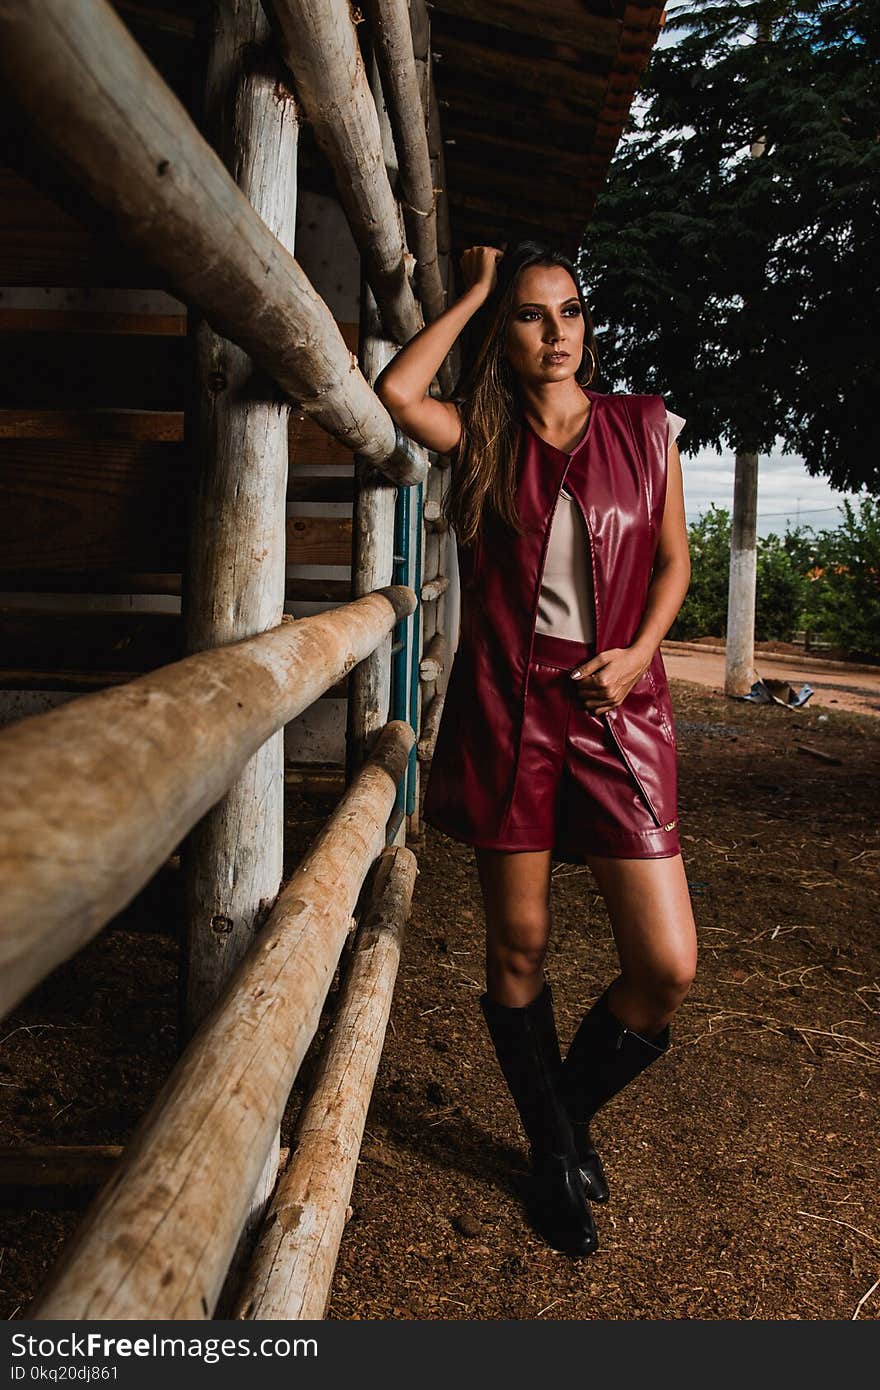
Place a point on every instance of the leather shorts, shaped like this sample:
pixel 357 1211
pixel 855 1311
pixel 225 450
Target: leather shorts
pixel 574 792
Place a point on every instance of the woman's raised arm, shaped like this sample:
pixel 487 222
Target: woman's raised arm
pixel 404 384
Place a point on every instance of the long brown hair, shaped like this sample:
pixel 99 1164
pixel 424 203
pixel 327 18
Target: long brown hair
pixel 486 393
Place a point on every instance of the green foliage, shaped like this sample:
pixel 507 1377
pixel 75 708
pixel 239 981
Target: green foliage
pixel 827 582
pixel 843 601
pixel 704 611
pixel 745 289
pixel 781 591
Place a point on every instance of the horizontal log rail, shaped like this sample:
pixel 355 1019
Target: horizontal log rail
pixel 434 658
pixel 89 91
pixel 433 588
pixel 292 1268
pixel 159 1239
pixel 96 794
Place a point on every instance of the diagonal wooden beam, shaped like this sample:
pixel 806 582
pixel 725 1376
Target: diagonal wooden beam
pixel 90 92
pixel 392 36
pixel 319 44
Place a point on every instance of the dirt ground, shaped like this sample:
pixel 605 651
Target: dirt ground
pixel 744 1165
pixel 857 689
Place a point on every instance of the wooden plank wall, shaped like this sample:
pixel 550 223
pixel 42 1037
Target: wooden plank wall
pixel 95 463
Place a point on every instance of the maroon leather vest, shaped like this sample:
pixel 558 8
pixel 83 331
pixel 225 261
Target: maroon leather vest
pixel 617 474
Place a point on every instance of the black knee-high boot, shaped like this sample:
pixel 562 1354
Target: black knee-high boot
pixel 605 1055
pixel 527 1046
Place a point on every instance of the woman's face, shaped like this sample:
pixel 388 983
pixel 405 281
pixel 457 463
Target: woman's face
pixel 545 335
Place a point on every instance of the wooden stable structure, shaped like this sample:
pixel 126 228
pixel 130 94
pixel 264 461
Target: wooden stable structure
pixel 223 565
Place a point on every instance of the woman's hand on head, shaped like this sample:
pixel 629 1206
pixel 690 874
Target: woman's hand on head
pixel 479 268
pixel 607 678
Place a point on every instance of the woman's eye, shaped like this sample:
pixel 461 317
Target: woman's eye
pixel 571 311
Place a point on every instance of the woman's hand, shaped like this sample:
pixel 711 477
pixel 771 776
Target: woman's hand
pixel 607 678
pixel 479 268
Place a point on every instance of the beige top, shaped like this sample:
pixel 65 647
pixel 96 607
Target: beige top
pixel 565 603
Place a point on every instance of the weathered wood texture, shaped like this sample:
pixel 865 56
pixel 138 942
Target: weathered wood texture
pixel 56 649
pixel 107 785
pixel 120 505
pixel 433 589
pixel 292 1269
pixel 232 860
pixel 429 729
pixel 320 46
pixel 372 560
pixel 434 659
pixel 158 1241
pixel 393 43
pixel 93 426
pixel 86 87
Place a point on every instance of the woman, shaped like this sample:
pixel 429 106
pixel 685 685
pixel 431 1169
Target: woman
pixel 557 738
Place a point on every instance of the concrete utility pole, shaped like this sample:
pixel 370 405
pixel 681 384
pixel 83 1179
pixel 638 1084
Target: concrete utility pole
pixel 739 670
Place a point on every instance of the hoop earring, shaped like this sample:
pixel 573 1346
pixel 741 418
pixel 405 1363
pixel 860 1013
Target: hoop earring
pixel 592 367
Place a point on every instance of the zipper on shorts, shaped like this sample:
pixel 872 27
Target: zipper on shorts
pixel 638 781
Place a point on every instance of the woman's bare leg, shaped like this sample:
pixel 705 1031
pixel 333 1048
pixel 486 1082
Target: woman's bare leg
pixel 516 898
pixel 656 937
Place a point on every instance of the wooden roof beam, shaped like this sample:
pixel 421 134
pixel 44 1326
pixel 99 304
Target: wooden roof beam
pixel 491 65
pixel 567 22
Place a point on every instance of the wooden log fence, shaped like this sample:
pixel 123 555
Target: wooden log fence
pixel 159 1239
pixel 292 1268
pixel 392 33
pixel 434 659
pixel 233 858
pixel 319 44
pixel 90 92
pixel 109 784
pixel 434 588
pixel 96 794
pixel 430 728
pixel 372 559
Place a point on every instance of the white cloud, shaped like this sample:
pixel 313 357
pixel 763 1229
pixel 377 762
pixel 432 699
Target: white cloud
pixel 786 491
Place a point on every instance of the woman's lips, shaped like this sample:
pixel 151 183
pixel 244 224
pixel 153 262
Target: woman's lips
pixel 556 356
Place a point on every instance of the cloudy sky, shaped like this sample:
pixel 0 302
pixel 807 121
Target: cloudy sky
pixel 786 492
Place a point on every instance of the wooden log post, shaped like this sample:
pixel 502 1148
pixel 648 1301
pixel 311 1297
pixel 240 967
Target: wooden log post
pixel 432 568
pixel 393 39
pixel 292 1270
pixel 430 727
pixel 420 24
pixel 319 44
pixel 107 785
pixel 159 1239
pixel 372 561
pixel 233 859
pixel 90 92
pixel 235 579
